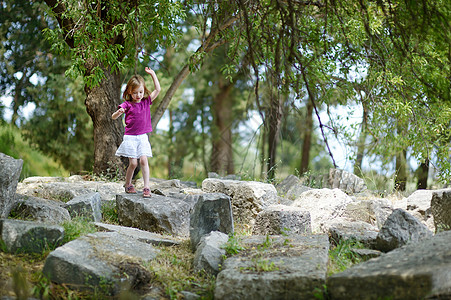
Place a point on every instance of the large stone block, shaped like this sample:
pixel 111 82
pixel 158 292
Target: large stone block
pixel 88 206
pixel 10 170
pixel 441 209
pixel 40 210
pixel 276 267
pixel 157 214
pixel 399 229
pixel 419 270
pixel 212 212
pixel 29 237
pixel 282 219
pixel 248 197
pixel 103 260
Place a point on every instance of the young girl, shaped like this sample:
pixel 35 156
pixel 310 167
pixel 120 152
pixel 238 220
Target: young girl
pixel 137 124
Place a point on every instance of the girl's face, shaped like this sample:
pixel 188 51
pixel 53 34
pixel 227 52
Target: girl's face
pixel 137 93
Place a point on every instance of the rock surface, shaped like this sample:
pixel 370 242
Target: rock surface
pixel 282 219
pixel 209 254
pixel 157 214
pixel 29 237
pixel 399 229
pixel 40 210
pixel 9 176
pixel 101 260
pixel 212 212
pixel 416 271
pixel 324 205
pixel 277 268
pixel 248 197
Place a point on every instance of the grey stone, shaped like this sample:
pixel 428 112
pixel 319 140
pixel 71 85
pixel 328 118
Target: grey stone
pixel 441 209
pixel 282 219
pixel 157 214
pixel 69 189
pixel 248 197
pixel 212 212
pixel 417 270
pixel 209 254
pixel 346 181
pixel 324 205
pixel 357 231
pixel 419 205
pixel 9 177
pixel 140 235
pixel 399 229
pixel 29 237
pixel 286 184
pixel 103 260
pixel 40 210
pixel 295 267
pixel 366 254
pixel 88 206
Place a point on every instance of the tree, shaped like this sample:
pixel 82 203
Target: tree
pixel 104 38
pixel 23 54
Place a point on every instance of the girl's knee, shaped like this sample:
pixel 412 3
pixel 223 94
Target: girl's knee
pixel 133 163
pixel 143 161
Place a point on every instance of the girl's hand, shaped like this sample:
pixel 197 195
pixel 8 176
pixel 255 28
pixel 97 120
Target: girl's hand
pixel 149 71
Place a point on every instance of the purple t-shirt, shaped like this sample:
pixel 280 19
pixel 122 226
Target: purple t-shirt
pixel 137 116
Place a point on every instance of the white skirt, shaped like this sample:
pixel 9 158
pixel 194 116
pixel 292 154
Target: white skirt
pixel 135 146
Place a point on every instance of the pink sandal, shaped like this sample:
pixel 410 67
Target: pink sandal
pixel 146 193
pixel 130 189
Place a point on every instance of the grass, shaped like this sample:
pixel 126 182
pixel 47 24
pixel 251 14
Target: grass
pixel 342 257
pixel 35 163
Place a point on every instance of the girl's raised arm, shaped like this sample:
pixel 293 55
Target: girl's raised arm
pixel 156 83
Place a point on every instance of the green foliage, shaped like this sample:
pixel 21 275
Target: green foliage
pixel 77 227
pixel 109 212
pixel 342 257
pixel 35 163
pixel 233 245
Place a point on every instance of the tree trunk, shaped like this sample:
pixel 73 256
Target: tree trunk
pixel 423 173
pixel 401 171
pixel 307 139
pixel 101 101
pixel 222 150
pixel 361 143
pixel 274 123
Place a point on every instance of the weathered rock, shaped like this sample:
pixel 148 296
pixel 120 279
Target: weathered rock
pixel 399 229
pixel 9 176
pixel 29 237
pixel 209 254
pixel 69 188
pixel 357 231
pixel 373 211
pixel 345 181
pixel 140 235
pixel 324 205
pixel 157 214
pixel 40 210
pixel 102 260
pixel 282 219
pixel 366 254
pixel 277 268
pixel 212 212
pixel 88 206
pixel 248 197
pixel 441 209
pixel 419 205
pixel 418 270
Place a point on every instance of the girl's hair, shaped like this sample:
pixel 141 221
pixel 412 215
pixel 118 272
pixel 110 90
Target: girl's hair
pixel 132 84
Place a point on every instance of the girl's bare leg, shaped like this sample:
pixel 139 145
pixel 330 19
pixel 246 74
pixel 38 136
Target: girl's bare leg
pixel 132 164
pixel 144 170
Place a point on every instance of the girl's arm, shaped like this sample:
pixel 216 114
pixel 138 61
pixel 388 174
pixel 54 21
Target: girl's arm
pixel 156 83
pixel 117 113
